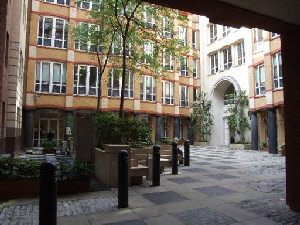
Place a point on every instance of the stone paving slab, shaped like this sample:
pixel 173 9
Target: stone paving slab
pixel 214 190
pixel 221 176
pixel 164 197
pixel 184 180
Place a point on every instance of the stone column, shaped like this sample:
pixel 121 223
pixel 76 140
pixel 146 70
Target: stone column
pixel 29 129
pixel 254 131
pixel 190 132
pixel 176 127
pixel 157 129
pixel 272 131
pixel 290 46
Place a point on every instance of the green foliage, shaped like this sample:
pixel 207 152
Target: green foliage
pixel 14 169
pixel 237 118
pixel 264 144
pixel 79 171
pixel 202 119
pixel 49 144
pixel 282 147
pixel 165 141
pixel 110 129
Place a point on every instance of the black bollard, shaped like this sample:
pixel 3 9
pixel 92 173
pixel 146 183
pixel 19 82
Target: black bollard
pixel 174 158
pixel 48 194
pixel 187 153
pixel 123 179
pixel 156 166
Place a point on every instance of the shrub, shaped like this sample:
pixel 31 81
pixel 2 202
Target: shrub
pixel 79 171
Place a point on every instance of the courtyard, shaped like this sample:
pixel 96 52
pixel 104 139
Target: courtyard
pixel 221 186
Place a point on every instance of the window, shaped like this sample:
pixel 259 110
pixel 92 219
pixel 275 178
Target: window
pixel 194 39
pixel 61 2
pixel 226 30
pixel 86 80
pixel 183 66
pixel 148 18
pixel 117 48
pixel 277 70
pixel 148 88
pixel 260 83
pixel 115 83
pixel 273 35
pixel 167 92
pixel 195 94
pixel 50 77
pixel 213 33
pixel 164 128
pixel 89 5
pixel 195 68
pixel 214 63
pixel 258 40
pixel 182 35
pixel 241 53
pixel 88 46
pixel 168 61
pixel 52 32
pixel 184 96
pixel 167 27
pixel 227 58
pixel 148 51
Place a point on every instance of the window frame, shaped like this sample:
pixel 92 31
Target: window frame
pixel 259 88
pixel 242 59
pixel 143 91
pixel 66 2
pixel 53 33
pixel 279 79
pixel 91 4
pixel 184 66
pixel 148 50
pixel 226 30
pixel 165 128
pixel 87 80
pixel 213 67
pixel 195 69
pixel 146 15
pixel 63 69
pixel 171 88
pixel 183 35
pixel 184 102
pixel 110 84
pixel 213 33
pixel 258 45
pixel 194 39
pixel 167 61
pixel 227 58
pixel 88 44
pixel 167 34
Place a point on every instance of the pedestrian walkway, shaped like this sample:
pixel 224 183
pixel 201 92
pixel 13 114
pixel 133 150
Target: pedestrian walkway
pixel 221 186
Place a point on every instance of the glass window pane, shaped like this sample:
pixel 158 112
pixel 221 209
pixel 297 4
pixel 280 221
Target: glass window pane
pixel 56 73
pixel 82 76
pixel 48 28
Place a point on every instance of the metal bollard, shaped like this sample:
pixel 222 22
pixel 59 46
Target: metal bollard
pixel 123 179
pixel 48 194
pixel 174 158
pixel 187 153
pixel 156 165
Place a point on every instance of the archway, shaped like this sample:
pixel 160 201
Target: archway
pixel 221 133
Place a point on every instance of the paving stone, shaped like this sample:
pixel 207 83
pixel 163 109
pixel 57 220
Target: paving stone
pixel 227 162
pixel 128 222
pixel 214 190
pixel 183 180
pixel 221 176
pixel 203 216
pixel 195 170
pixel 203 163
pixel 159 198
pixel 224 167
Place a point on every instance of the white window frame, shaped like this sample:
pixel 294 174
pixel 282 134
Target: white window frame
pixel 167 33
pixel 66 2
pixel 111 88
pixel 226 30
pixel 277 66
pixel 87 80
pixel 168 61
pixel 171 88
pixel 195 94
pixel 78 44
pixel 184 66
pixel 194 39
pixel 213 66
pixel 182 35
pixel 165 127
pixel 148 18
pixel 148 48
pixel 186 97
pixel 258 45
pixel 39 66
pixel 213 33
pixel 274 34
pixel 227 58
pixel 90 3
pixel 240 60
pixel 195 70
pixel 53 39
pixel 143 84
pixel 260 86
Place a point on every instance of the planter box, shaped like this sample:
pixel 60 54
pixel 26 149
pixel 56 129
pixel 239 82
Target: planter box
pixel 201 143
pixel 49 151
pixel 13 189
pixel 240 146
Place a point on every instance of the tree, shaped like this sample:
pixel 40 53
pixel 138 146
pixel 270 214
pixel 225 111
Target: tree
pixel 202 119
pixel 138 35
pixel 237 118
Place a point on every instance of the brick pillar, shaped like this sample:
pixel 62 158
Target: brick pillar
pixel 190 132
pixel 28 129
pixel 291 79
pixel 176 127
pixel 254 131
pixel 157 129
pixel 272 131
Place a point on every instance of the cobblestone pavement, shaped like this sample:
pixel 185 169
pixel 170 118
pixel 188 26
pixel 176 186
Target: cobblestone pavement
pixel 221 186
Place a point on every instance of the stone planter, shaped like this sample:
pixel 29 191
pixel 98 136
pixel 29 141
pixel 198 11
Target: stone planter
pixel 240 146
pixel 68 187
pixel 265 149
pixel 201 143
